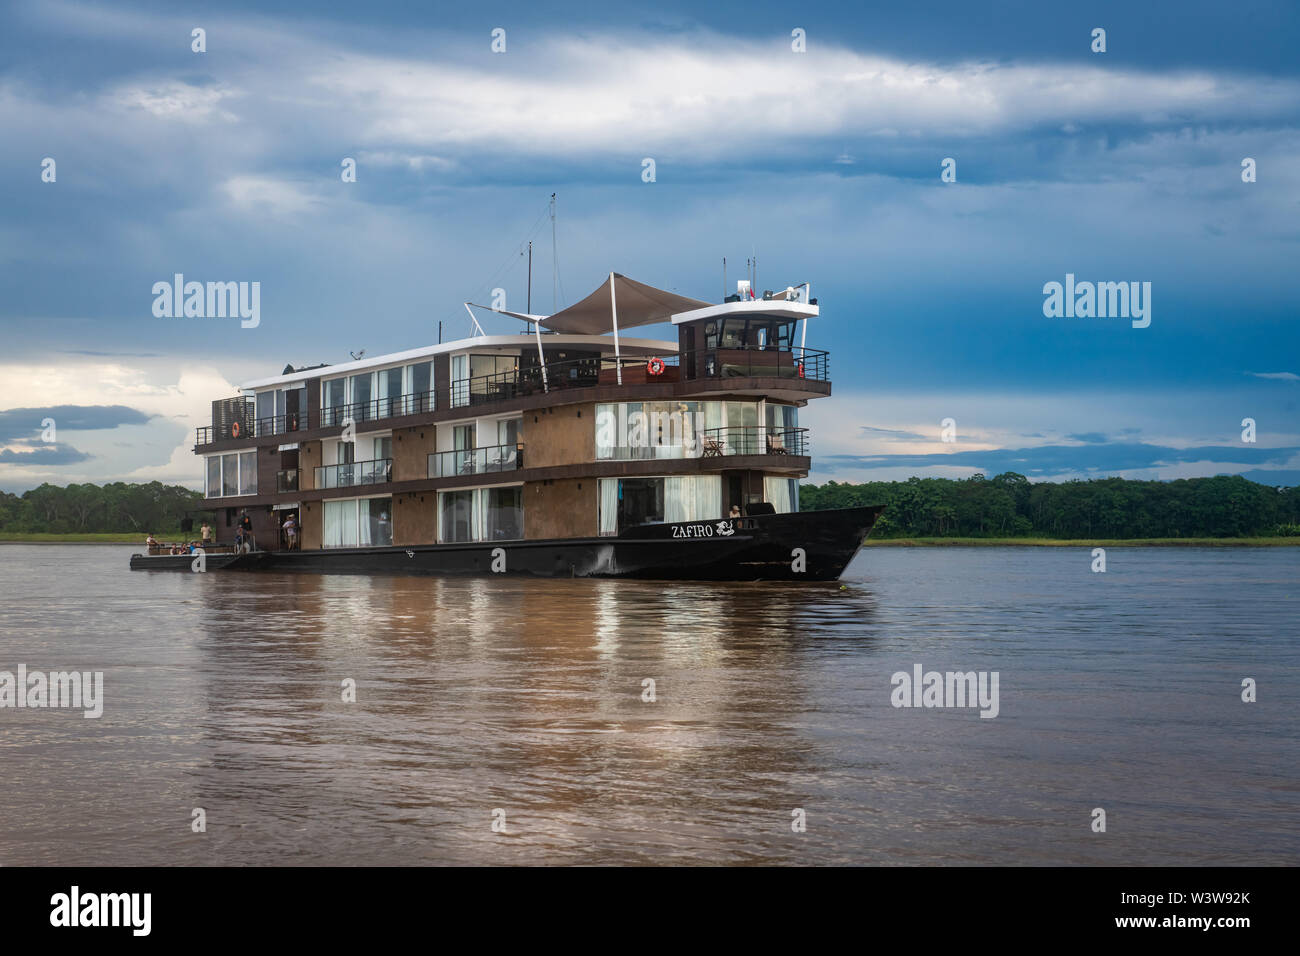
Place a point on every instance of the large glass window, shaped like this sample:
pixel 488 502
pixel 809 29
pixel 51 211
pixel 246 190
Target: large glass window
pixel 457 516
pixel 421 384
pixel 248 473
pixel 362 387
pixel 376 521
pixel 333 393
pixel 481 514
pixel 643 430
pixel 503 512
pixel 390 391
pixel 229 475
pixel 358 522
pixel 459 380
pixel 628 502
pixel 781 493
pixel 340 524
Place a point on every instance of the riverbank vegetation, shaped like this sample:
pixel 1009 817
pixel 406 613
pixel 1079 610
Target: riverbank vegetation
pixel 1009 506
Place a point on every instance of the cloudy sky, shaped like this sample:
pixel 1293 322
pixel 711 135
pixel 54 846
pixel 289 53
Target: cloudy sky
pixel 225 166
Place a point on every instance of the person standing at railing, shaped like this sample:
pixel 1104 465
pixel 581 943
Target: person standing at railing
pixel 245 525
pixel 205 534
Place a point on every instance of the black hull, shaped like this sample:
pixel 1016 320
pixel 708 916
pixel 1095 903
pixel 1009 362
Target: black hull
pixel 806 546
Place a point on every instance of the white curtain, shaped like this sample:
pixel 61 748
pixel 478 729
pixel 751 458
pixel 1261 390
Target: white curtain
pixel 708 497
pixel 340 524
pixel 780 493
pixel 609 506
pixel 679 499
pixel 459 380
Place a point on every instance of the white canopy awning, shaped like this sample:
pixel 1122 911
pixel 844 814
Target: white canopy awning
pixel 637 304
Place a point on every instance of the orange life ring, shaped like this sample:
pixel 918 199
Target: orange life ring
pixel 655 366
pixel 234 430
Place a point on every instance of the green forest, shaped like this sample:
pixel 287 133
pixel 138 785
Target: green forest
pixel 1009 505
pixel 1004 506
pixel 88 509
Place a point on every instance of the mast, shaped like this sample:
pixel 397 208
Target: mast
pixel 555 261
pixel 529 308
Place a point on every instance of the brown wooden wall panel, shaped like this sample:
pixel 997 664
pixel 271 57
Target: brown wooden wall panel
pixel 411 450
pixel 564 508
pixel 309 458
pixel 312 519
pixel 562 435
pixel 414 518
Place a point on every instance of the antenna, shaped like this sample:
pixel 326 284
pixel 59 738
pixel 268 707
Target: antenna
pixel 529 308
pixel 724 278
pixel 555 261
pixel 356 356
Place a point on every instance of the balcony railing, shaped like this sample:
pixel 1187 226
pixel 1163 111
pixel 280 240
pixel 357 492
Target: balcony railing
pixel 375 472
pixel 749 440
pixel 790 363
pixel 411 404
pixel 782 363
pixel 476 461
pixel 286 480
pixel 393 407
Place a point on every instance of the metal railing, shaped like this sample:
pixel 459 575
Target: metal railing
pixel 753 440
pixel 376 408
pixel 476 461
pixel 789 363
pixel 377 471
pixel 286 480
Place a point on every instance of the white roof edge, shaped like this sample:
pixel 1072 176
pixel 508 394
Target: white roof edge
pixel 526 339
pixel 793 310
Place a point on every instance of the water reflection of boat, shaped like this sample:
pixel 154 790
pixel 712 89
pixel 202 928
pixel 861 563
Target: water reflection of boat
pixel 644 458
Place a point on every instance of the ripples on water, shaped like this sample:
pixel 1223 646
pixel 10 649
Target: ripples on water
pixel 224 692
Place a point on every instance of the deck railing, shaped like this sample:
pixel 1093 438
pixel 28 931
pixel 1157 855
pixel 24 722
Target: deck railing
pixel 394 407
pixel 476 461
pixel 377 471
pixel 753 440
pixel 782 363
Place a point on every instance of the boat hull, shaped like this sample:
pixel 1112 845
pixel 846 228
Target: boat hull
pixel 805 546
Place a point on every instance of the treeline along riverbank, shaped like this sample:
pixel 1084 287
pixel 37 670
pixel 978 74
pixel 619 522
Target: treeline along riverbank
pixel 1010 506
pixel 1004 506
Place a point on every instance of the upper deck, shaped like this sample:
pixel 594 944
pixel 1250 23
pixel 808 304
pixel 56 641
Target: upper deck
pixel 739 347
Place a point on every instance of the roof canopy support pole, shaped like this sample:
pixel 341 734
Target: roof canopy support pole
pixel 541 357
pixel 613 308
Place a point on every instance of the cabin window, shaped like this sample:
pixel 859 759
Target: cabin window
pixel 376 525
pixel 420 387
pixel 333 398
pixel 503 512
pixel 362 389
pixel 390 392
pixel 459 380
pixel 231 474
pixel 781 493
pixel 628 502
pixel 456 518
pixel 481 514
pixel 358 522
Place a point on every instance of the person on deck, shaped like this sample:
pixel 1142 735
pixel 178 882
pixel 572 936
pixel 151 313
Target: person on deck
pixel 206 534
pixel 245 525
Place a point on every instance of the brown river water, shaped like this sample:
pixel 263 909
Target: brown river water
pixel 1119 691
